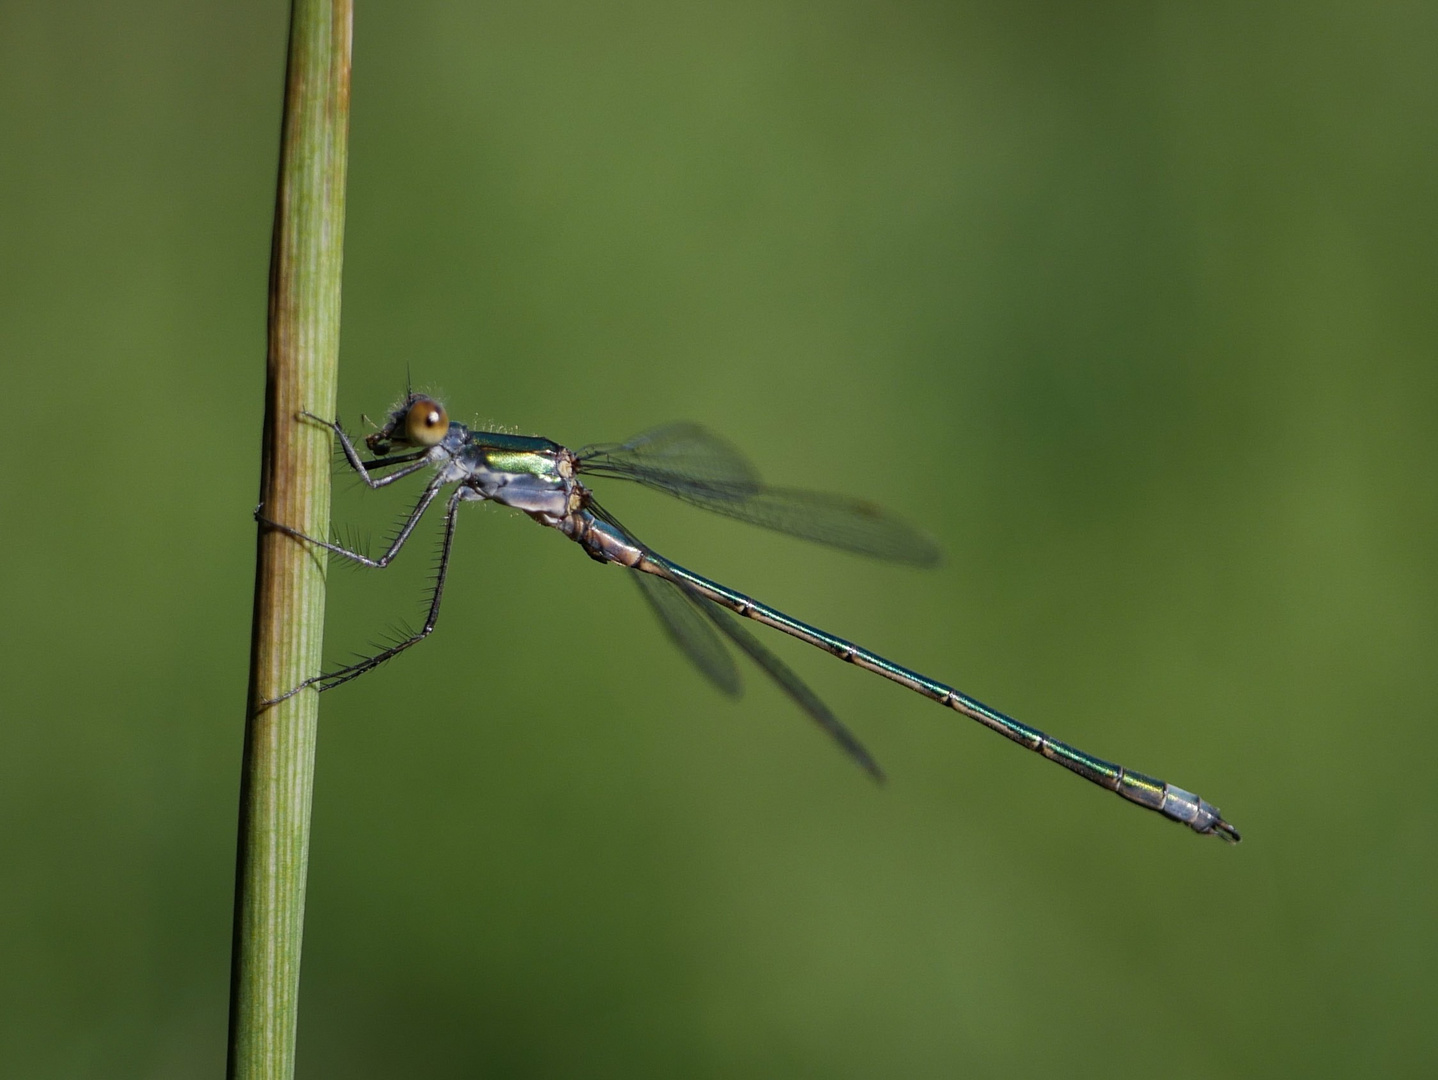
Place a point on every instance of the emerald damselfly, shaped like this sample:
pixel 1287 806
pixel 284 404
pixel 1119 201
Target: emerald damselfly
pixel 543 479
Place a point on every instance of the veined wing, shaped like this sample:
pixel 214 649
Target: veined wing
pixel 789 682
pixel 692 463
pixel 675 458
pixel 683 612
pixel 691 632
pixel 685 626
pixel 822 517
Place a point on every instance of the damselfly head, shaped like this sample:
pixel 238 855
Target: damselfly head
pixel 420 421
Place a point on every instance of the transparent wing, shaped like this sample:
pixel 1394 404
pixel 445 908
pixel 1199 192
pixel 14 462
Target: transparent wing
pixel 790 683
pixel 692 463
pixel 835 520
pixel 675 458
pixel 683 611
pixel 689 630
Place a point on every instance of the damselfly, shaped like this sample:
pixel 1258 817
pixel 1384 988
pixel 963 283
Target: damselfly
pixel 542 479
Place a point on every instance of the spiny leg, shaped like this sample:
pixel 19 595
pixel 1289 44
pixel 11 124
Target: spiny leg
pixel 354 556
pixel 418 457
pixel 330 679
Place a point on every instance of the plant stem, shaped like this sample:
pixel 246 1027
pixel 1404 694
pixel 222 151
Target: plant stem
pixel 302 364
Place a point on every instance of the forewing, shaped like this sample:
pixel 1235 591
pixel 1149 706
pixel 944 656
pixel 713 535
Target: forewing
pixel 692 463
pixel 835 520
pixel 675 458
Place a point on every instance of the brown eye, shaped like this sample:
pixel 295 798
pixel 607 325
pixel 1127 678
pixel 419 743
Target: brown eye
pixel 426 422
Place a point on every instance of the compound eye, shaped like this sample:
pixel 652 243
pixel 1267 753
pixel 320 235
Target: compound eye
pixel 426 423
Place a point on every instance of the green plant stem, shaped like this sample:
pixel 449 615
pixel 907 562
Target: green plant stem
pixel 302 370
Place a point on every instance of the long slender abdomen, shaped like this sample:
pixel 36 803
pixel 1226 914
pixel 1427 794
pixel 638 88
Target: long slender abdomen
pixel 1173 802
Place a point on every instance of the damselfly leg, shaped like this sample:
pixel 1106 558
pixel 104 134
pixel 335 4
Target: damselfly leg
pixel 330 679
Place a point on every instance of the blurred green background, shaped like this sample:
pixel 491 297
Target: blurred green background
pixel 1132 305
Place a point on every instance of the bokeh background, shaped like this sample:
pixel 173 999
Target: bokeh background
pixel 1130 304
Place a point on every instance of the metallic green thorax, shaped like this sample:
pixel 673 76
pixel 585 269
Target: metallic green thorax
pixel 536 464
pixel 518 454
